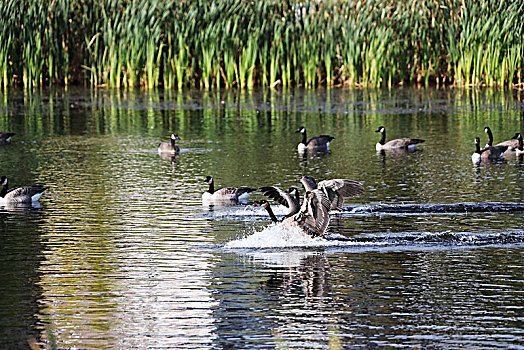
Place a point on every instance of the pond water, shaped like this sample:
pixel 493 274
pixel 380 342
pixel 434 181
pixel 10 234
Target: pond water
pixel 120 253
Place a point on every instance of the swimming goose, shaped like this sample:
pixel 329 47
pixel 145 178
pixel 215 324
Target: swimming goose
pixel 313 216
pixel 232 194
pixel 336 190
pixel 520 148
pixel 169 147
pixel 405 142
pixel 287 198
pixel 512 144
pixel 487 153
pixel 5 137
pixel 317 143
pixel 26 194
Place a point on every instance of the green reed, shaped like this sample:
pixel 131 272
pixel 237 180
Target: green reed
pixel 178 44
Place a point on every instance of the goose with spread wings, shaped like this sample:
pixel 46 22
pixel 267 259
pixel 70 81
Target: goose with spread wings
pixel 312 217
pixel 336 189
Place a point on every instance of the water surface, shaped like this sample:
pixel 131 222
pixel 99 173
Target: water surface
pixel 120 253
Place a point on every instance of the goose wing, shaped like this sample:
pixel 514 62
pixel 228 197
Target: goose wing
pixel 232 192
pixel 402 142
pixel 278 195
pixel 511 144
pixel 338 189
pixel 319 141
pixel 24 194
pixel 313 216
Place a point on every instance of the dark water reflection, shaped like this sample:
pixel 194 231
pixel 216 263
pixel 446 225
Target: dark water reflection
pixel 120 253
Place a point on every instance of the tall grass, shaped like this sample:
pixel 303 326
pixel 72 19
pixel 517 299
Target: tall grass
pixel 207 44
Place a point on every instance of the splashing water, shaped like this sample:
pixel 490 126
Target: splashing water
pixel 277 236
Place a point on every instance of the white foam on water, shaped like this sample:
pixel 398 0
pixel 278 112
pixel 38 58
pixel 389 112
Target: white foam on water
pixel 276 236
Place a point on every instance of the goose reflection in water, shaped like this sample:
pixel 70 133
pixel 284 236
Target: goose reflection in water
pixel 311 277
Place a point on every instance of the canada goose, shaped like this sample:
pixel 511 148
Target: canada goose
pixel 317 143
pixel 405 142
pixel 26 194
pixel 5 137
pixel 287 198
pixel 336 190
pixel 313 216
pixel 169 147
pixel 512 144
pixel 232 194
pixel 520 148
pixel 487 153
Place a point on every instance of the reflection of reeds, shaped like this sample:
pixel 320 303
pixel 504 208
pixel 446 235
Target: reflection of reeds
pixel 177 44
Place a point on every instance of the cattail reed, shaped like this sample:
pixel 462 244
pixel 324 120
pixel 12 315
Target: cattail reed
pixel 177 44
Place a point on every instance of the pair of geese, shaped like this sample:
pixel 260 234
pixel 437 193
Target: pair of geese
pixel 17 195
pixel 312 215
pixel 321 143
pixel 490 152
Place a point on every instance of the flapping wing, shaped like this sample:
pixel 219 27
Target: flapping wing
pixel 338 189
pixel 278 195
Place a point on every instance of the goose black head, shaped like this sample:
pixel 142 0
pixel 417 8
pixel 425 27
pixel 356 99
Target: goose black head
pixel 208 179
pixel 175 137
pixel 301 130
pixel 516 136
pixel 380 129
pixel 477 140
pixel 3 180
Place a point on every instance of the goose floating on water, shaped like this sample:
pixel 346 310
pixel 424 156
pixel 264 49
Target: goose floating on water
pixel 405 142
pixel 25 194
pixel 5 137
pixel 170 147
pixel 336 189
pixel 487 153
pixel 314 144
pixel 225 194
pixel 512 144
